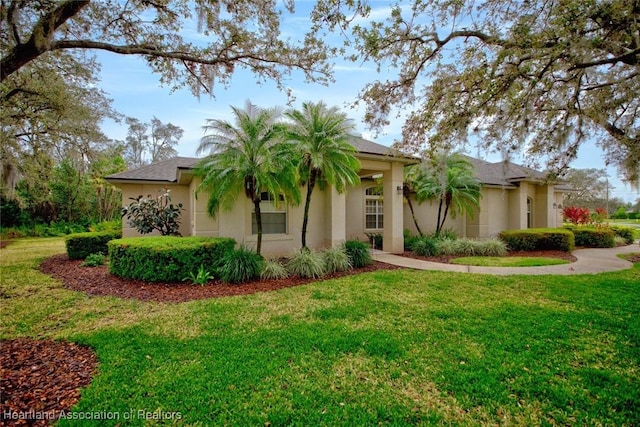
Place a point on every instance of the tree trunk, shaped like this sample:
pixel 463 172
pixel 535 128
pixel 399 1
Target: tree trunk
pixel 407 195
pixel 439 215
pixel 310 186
pixel 446 211
pixel 256 207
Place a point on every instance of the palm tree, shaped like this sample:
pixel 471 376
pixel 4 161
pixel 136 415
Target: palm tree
pixel 450 180
pixel 326 157
pixel 410 175
pixel 248 156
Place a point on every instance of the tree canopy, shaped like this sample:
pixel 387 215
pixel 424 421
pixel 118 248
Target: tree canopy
pixel 321 135
pixel 247 156
pixel 235 34
pixel 519 76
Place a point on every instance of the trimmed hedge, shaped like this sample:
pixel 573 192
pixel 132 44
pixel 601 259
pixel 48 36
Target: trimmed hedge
pixel 166 258
pixel 538 239
pixel 627 233
pixel 588 237
pixel 81 245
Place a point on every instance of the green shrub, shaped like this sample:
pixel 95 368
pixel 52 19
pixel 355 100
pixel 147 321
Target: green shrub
pixel 199 277
pixel 491 247
pixel 166 258
pixel 465 247
pixel 240 265
pixel 619 241
pixel 534 239
pixel 448 233
pixel 305 263
pixel 336 259
pixel 273 269
pixel 409 240
pixel 447 247
pixel 594 237
pixel 627 233
pixel 94 260
pixel 114 225
pixel 358 252
pixel 425 246
pixel 81 245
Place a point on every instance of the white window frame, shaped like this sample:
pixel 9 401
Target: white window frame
pixel 373 199
pixel 269 207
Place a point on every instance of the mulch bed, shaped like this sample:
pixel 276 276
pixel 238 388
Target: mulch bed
pixel 98 281
pixel 41 378
pixel 548 254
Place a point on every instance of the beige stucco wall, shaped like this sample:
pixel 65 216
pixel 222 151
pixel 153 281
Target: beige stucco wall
pixel 427 217
pixel 179 194
pixel 236 223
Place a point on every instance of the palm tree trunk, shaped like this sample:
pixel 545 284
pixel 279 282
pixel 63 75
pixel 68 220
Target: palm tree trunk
pixel 256 207
pixel 407 195
pixel 446 211
pixel 439 215
pixel 305 221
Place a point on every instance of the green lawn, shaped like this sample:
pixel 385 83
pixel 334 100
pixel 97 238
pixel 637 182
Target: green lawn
pixel 389 347
pixel 515 261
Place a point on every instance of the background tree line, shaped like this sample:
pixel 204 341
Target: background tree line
pixel 525 77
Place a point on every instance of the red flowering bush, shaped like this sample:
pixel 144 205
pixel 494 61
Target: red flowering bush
pixel 576 215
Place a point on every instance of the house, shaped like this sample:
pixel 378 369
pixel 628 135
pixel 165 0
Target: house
pixel 515 197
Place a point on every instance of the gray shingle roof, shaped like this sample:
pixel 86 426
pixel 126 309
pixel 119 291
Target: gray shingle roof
pixel 500 173
pixel 504 173
pixel 363 146
pixel 166 170
pixel 163 171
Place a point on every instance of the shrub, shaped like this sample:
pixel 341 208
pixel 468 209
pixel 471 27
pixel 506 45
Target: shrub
pixel 94 260
pixel 200 277
pixel 576 215
pixel 148 214
pixel 165 258
pixel 358 252
pixel 425 246
pixel 409 240
pixel 627 233
pixel 305 263
pixel 336 259
pixel 447 247
pixel 619 241
pixel 273 269
pixel 538 239
pixel 114 225
pixel 594 237
pixel 466 247
pixel 448 233
pixel 240 265
pixel 491 247
pixel 81 245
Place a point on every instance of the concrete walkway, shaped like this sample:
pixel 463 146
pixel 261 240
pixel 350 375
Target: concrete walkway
pixel 589 261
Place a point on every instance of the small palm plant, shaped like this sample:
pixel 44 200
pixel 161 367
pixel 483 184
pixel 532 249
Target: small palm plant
pixel 200 277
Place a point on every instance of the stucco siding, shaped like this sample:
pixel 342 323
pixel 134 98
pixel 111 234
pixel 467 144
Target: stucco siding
pixel 179 194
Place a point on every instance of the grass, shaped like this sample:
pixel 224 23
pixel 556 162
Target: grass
pixel 485 261
pixel 389 347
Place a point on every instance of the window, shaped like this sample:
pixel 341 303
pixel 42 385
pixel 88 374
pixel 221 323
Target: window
pixel 373 209
pixel 529 221
pixel 274 216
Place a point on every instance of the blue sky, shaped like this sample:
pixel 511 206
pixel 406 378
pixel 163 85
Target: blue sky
pixel 136 92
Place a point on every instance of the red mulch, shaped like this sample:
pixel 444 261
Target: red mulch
pixel 41 378
pixel 549 254
pixel 98 281
pixel 3 243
